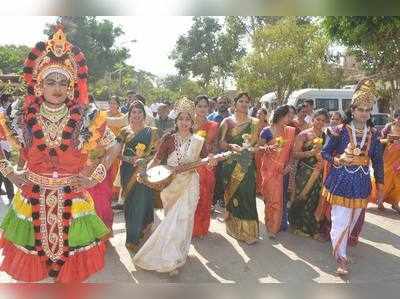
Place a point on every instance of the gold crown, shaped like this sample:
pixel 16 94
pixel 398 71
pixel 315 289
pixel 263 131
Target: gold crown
pixel 364 94
pixel 185 105
pixel 65 65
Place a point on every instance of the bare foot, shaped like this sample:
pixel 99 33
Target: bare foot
pixel 381 207
pixel 173 273
pixel 342 269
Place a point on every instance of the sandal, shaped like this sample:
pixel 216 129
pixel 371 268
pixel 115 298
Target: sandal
pixel 396 208
pixel 381 207
pixel 342 269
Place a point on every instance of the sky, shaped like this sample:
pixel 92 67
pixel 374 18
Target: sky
pixel 155 35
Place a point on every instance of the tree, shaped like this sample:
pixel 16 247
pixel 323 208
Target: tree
pixel 375 42
pixel 209 50
pixel 194 52
pixel 12 58
pixel 286 55
pixel 97 41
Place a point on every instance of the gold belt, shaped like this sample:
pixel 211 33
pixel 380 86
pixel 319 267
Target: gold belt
pixel 357 160
pixel 50 183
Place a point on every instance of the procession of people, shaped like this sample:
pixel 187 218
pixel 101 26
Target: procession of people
pixel 313 171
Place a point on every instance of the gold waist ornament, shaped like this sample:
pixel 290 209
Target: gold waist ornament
pixel 51 183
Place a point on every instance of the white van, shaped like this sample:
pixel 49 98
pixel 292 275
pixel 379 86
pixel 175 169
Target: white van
pixel 330 99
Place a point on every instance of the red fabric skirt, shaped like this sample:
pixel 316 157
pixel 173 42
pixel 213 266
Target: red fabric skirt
pixel 202 215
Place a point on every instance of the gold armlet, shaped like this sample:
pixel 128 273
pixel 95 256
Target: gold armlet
pixel 99 174
pixel 5 167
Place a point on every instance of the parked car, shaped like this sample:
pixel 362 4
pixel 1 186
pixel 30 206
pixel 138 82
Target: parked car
pixel 380 120
pixel 330 99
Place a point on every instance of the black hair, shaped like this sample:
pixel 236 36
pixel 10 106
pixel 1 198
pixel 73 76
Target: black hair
pixel 293 108
pixel 91 98
pixel 396 113
pixel 136 104
pixel 279 113
pixel 129 92
pixel 309 101
pixel 175 130
pixel 300 107
pixel 168 103
pixel 349 117
pixel 116 98
pixel 323 112
pixel 240 95
pixel 200 98
pixel 337 113
pixel 140 98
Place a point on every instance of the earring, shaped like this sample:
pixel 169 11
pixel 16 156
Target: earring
pixel 38 90
pixel 70 93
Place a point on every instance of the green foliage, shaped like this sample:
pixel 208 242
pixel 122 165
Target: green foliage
pixel 286 55
pixel 97 41
pixel 209 50
pixel 12 58
pixel 375 42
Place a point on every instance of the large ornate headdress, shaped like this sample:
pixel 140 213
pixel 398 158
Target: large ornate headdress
pixel 185 105
pixel 364 94
pixel 56 55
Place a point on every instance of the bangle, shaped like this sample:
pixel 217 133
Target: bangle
pixel 99 174
pixel 5 167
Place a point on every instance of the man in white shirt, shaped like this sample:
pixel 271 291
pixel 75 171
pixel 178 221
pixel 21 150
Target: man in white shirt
pixel 309 109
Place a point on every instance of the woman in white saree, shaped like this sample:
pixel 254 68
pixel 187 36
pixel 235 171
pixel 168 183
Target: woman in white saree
pixel 167 248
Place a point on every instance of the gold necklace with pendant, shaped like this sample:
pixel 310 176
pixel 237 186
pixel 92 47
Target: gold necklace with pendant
pixel 53 114
pixel 52 131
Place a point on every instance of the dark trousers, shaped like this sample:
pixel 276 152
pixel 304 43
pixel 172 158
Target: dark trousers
pixel 7 184
pixel 219 186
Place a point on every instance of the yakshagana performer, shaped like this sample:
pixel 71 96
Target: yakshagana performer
pixel 52 228
pixel 350 150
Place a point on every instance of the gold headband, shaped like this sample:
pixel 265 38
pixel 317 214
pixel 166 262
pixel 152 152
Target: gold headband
pixel 364 94
pixel 58 46
pixel 185 105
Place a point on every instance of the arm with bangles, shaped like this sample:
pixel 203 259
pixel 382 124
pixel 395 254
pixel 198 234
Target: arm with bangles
pixel 16 177
pixel 223 144
pixel 298 152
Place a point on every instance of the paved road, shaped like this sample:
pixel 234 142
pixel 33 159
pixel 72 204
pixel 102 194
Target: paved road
pixel 219 258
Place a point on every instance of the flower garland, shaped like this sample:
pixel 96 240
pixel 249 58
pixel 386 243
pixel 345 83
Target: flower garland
pixel 37 130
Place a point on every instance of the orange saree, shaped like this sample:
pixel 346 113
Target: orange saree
pixel 272 171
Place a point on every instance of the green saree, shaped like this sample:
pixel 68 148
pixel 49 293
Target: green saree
pixel 139 199
pixel 301 213
pixel 239 180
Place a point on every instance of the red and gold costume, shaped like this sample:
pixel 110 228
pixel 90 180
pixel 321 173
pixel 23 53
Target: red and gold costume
pixel 202 217
pixel 52 228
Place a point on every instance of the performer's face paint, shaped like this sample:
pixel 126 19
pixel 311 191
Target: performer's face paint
pixel 136 117
pixel 202 108
pixel 184 122
pixel 243 104
pixel 55 87
pixel 362 113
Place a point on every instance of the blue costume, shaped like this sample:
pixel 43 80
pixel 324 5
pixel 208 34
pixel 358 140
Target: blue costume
pixel 350 186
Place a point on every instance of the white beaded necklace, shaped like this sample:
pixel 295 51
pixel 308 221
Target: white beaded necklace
pixel 364 137
pixel 179 144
